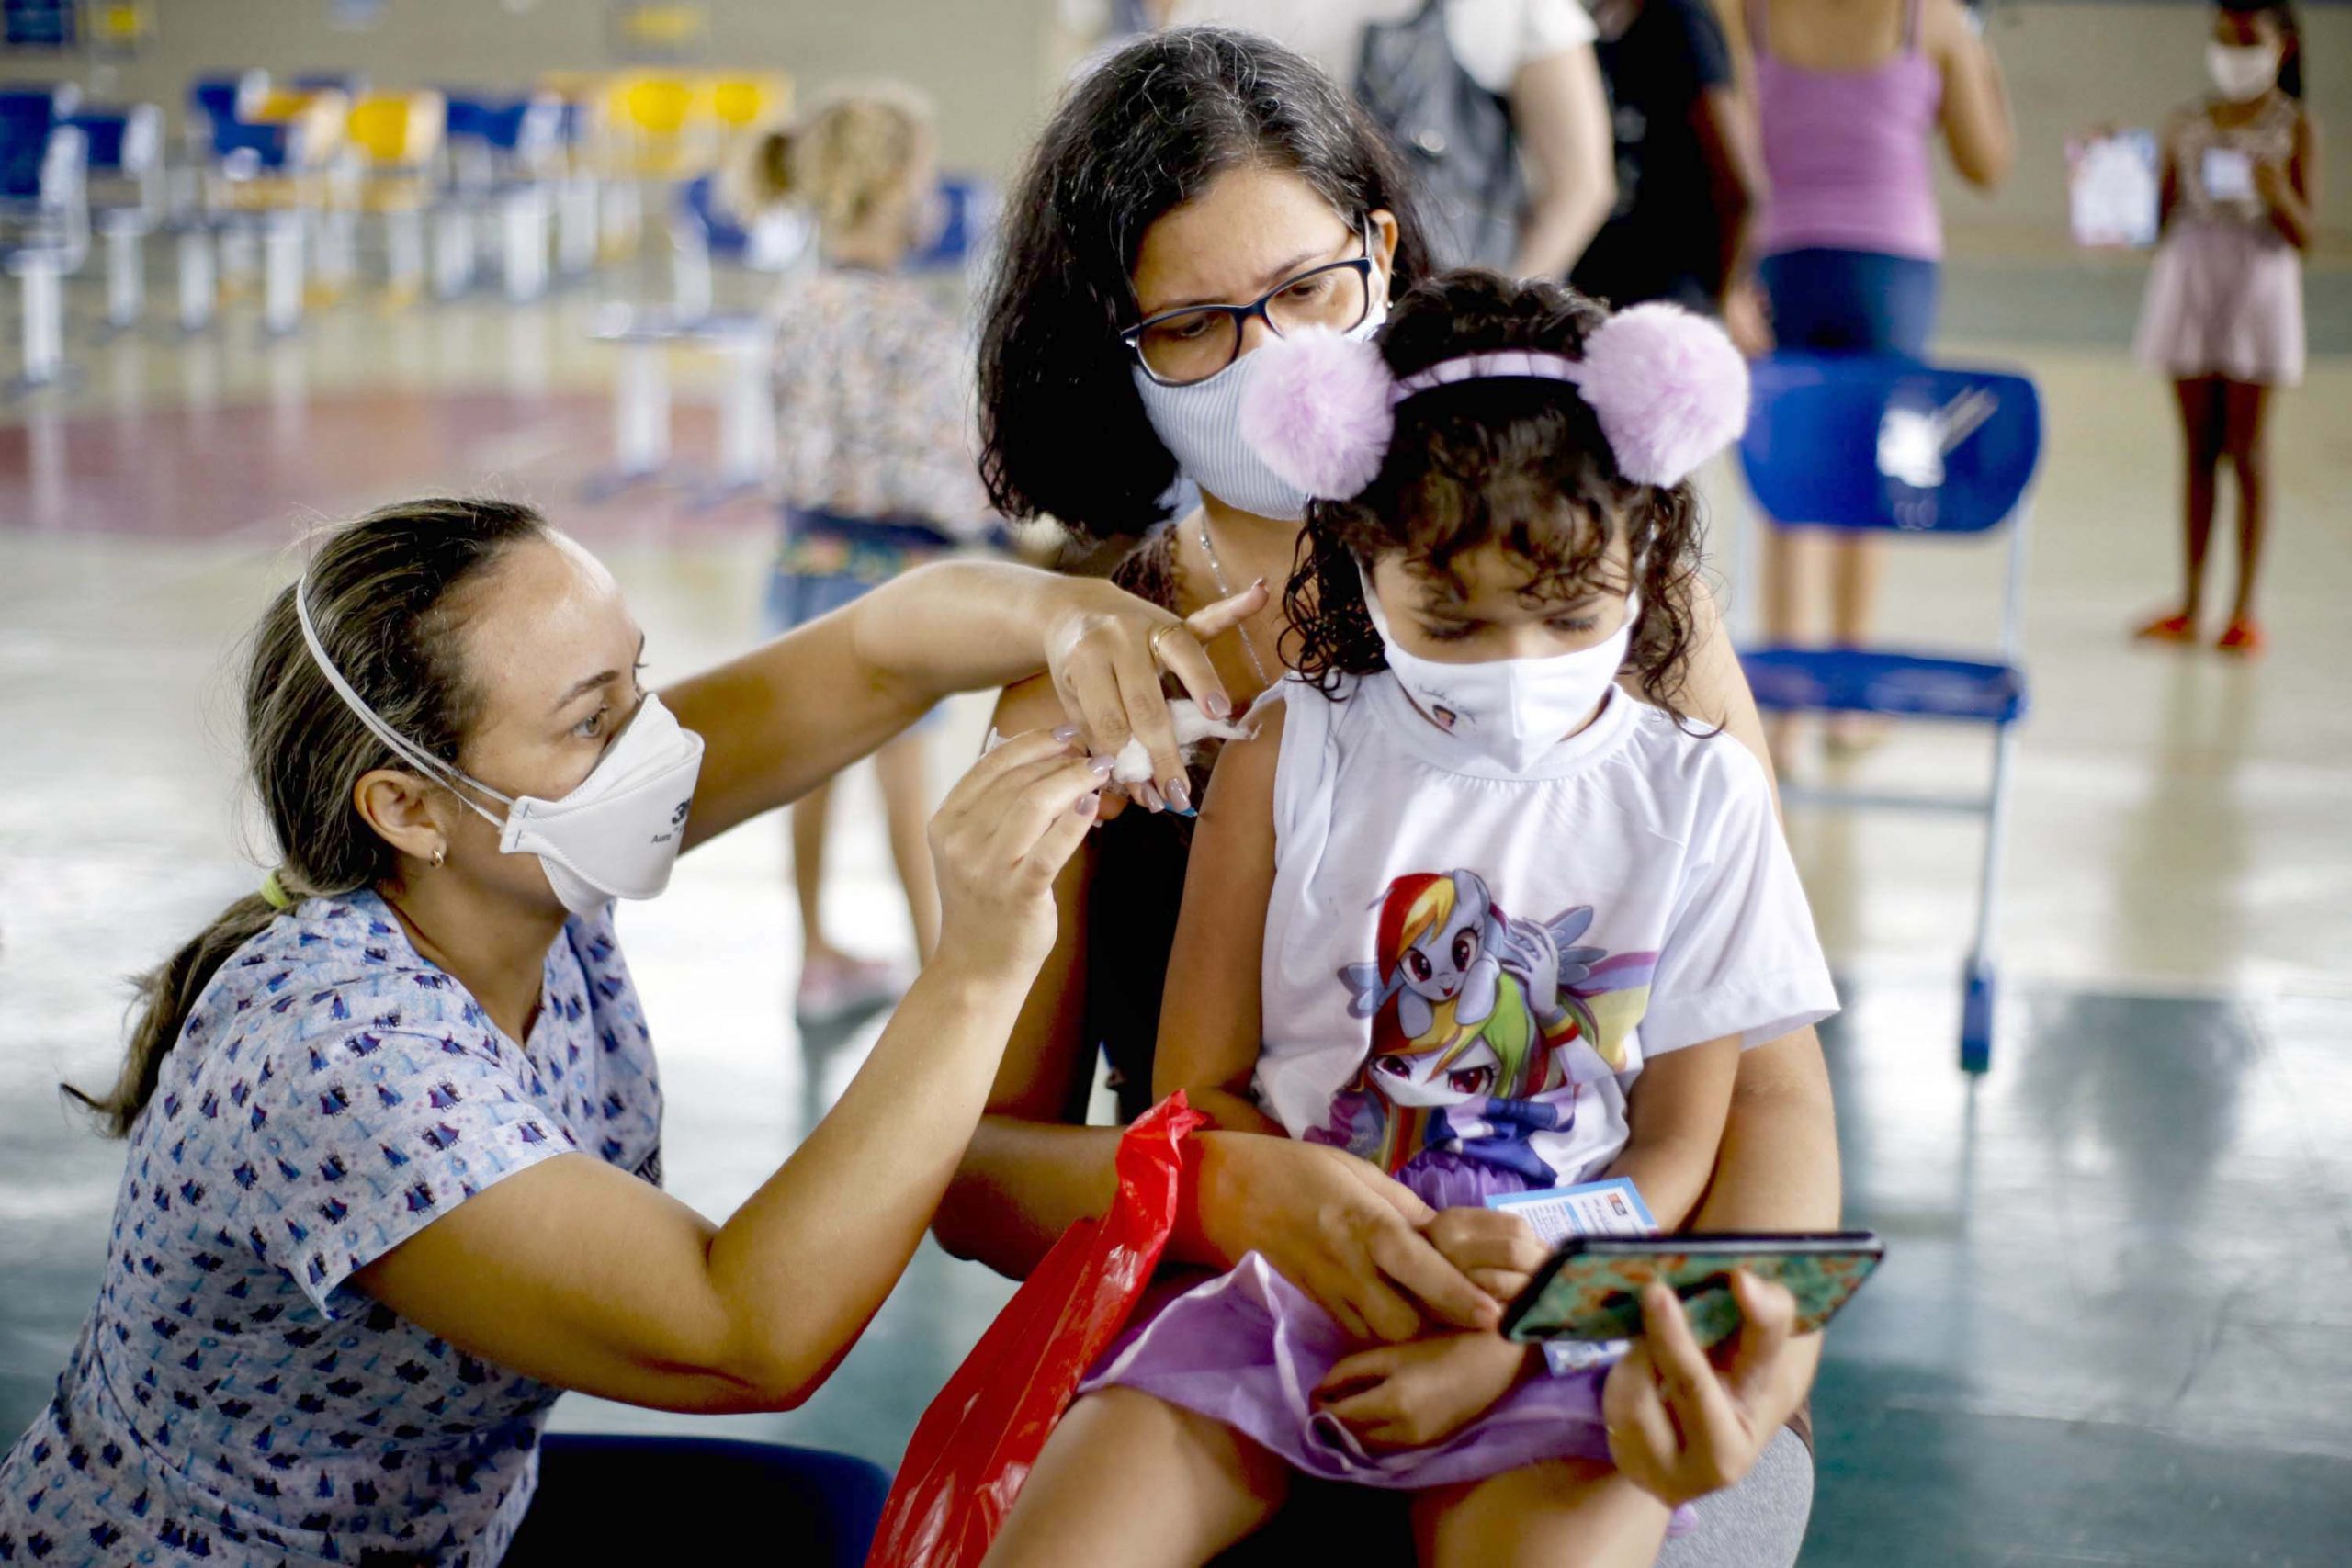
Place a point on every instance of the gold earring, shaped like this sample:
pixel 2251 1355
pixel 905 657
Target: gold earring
pixel 440 854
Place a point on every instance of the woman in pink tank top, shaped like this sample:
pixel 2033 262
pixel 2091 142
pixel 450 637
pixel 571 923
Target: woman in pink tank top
pixel 1851 96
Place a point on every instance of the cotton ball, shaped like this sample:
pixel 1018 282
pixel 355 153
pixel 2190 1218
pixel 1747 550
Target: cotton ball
pixel 1132 765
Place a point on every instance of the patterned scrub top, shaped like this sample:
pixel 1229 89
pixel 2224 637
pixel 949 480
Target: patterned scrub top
pixel 230 1398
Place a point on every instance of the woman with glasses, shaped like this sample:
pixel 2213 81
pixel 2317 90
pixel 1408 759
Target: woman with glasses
pixel 1199 194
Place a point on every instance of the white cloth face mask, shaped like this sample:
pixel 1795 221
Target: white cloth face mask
pixel 2242 73
pixel 1509 711
pixel 1201 426
pixel 615 835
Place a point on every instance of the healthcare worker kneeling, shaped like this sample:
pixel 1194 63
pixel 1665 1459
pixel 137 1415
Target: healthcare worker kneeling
pixel 394 1123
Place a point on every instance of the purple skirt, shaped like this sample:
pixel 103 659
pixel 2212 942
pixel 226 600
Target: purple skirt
pixel 1248 1348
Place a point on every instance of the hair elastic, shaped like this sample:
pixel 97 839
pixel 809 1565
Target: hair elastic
pixel 274 894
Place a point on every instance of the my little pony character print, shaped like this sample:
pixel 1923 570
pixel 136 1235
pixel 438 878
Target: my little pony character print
pixel 1485 1028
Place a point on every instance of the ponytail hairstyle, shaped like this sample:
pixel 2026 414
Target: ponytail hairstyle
pixel 382 594
pixel 860 156
pixel 756 174
pixel 1522 464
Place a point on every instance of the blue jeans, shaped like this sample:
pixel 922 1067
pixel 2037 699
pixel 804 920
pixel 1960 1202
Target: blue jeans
pixel 1834 301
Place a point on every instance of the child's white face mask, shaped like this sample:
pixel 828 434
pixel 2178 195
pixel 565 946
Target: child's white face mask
pixel 1511 711
pixel 2242 73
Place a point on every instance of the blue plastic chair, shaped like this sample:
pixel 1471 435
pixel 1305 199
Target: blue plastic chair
pixel 517 132
pixel 123 156
pixel 28 114
pixel 126 142
pixel 1860 443
pixel 699 214
pixel 968 213
pixel 229 95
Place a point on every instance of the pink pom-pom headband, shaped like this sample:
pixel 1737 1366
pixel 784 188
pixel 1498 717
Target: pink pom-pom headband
pixel 1666 385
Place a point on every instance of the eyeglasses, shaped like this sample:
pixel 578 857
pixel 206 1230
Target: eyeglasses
pixel 1177 348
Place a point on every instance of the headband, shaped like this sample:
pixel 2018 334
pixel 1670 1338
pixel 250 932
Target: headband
pixel 1668 386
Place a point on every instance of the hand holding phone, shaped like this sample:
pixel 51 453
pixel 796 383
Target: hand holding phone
pixel 1591 1288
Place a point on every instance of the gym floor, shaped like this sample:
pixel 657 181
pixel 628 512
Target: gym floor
pixel 2115 1324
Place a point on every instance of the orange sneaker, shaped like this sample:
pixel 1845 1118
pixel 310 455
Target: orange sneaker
pixel 2169 629
pixel 2244 636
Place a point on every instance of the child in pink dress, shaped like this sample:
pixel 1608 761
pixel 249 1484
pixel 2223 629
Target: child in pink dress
pixel 2224 317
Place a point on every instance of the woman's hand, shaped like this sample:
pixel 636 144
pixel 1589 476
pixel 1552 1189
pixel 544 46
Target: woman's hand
pixel 999 840
pixel 1408 1396
pixel 1336 1228
pixel 1682 1425
pixel 1106 647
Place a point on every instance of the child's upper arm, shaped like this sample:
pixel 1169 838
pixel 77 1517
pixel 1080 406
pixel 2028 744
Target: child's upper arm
pixel 1685 1093
pixel 1674 1123
pixel 1209 1023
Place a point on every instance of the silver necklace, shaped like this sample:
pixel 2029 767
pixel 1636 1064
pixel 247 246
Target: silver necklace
pixel 1224 591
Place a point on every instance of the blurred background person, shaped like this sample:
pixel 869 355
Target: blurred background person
pixel 1850 96
pixel 1496 104
pixel 1689 168
pixel 874 469
pixel 2224 317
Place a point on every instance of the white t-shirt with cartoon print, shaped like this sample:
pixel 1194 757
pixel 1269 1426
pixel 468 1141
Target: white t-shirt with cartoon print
pixel 1467 963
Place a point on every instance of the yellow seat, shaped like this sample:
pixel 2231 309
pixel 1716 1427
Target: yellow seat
pixel 397 130
pixel 742 102
pixel 659 127
pixel 656 105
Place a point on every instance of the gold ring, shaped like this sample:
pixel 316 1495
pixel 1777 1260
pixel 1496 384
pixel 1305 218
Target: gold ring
pixel 1161 632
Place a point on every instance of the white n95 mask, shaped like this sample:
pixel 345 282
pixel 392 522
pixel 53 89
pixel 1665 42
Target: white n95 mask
pixel 1201 426
pixel 615 835
pixel 1509 711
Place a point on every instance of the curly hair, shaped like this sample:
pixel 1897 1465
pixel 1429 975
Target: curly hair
pixel 1521 464
pixel 1062 429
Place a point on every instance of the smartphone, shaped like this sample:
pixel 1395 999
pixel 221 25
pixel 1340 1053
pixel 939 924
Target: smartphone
pixel 1590 1288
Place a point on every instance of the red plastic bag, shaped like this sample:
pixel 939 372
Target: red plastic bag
pixel 973 1448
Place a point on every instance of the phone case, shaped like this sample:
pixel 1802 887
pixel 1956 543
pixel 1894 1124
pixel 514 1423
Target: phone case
pixel 1593 1292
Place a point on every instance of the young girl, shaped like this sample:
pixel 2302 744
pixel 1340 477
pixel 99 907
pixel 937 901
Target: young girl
pixel 1460 906
pixel 875 462
pixel 2224 316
